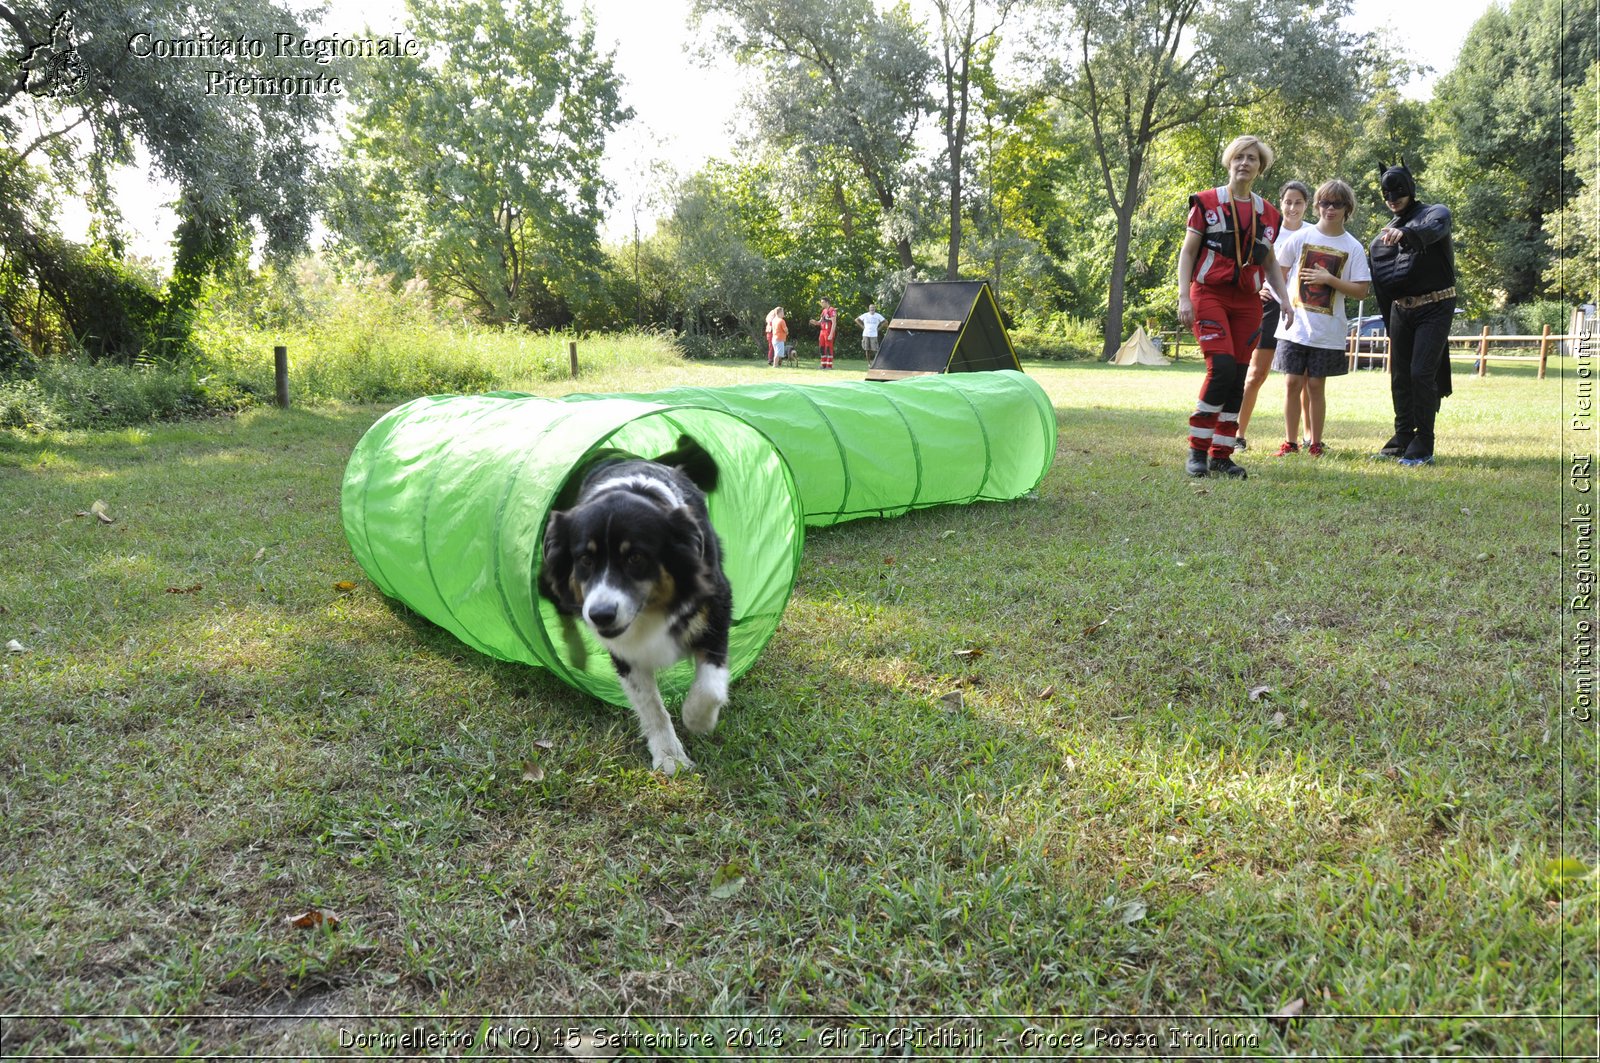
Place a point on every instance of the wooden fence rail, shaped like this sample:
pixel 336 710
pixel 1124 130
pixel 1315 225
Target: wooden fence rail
pixel 1377 347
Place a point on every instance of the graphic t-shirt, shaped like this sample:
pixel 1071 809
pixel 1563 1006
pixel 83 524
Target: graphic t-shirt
pixel 1319 310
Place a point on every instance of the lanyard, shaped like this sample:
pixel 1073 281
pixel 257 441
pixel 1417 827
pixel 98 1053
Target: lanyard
pixel 1240 257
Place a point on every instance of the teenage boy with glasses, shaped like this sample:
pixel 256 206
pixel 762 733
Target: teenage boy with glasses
pixel 1326 266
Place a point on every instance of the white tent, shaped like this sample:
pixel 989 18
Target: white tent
pixel 1140 350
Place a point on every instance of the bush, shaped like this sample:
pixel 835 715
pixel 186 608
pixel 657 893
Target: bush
pixel 67 393
pixel 703 347
pixel 1059 337
pixel 361 339
pixel 1531 318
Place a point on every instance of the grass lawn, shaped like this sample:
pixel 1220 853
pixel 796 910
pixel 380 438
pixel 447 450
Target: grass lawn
pixel 1126 767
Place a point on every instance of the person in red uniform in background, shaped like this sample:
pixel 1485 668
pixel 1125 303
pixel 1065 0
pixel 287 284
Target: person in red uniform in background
pixel 829 321
pixel 1225 254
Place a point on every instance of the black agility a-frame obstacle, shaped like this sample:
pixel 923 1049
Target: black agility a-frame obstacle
pixel 944 327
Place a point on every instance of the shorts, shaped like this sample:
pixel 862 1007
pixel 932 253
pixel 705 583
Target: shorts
pixel 1269 324
pixel 869 344
pixel 778 348
pixel 1299 360
pixel 1227 320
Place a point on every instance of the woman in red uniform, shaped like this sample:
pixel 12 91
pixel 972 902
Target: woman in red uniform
pixel 1226 253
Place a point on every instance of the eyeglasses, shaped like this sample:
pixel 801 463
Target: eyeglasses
pixel 1329 204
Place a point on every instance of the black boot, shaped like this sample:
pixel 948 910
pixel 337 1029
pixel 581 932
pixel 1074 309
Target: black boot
pixel 1420 452
pixel 1424 408
pixel 1196 465
pixel 1226 467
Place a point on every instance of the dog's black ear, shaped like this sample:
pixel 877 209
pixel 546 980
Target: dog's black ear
pixel 686 530
pixel 555 574
pixel 699 466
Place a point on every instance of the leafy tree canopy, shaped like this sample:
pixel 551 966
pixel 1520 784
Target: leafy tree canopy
pixel 476 165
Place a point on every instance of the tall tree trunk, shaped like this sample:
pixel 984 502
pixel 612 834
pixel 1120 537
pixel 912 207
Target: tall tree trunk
pixel 1131 195
pixel 902 246
pixel 952 267
pixel 847 221
pixel 957 80
pixel 1119 275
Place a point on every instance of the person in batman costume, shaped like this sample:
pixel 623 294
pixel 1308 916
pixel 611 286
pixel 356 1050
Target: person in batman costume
pixel 1414 279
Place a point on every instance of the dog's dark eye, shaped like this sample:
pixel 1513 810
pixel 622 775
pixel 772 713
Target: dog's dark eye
pixel 584 564
pixel 638 566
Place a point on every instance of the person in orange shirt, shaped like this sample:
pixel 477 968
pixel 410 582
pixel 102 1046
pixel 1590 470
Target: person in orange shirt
pixel 780 335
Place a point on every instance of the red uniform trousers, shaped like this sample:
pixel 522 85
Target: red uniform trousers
pixel 1227 322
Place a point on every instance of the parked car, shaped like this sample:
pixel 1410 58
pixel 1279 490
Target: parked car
pixel 1370 338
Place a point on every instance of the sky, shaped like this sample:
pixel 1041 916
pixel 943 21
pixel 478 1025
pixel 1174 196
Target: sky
pixel 684 109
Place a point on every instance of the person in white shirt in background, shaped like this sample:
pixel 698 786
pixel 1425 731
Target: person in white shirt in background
pixel 1326 265
pixel 869 322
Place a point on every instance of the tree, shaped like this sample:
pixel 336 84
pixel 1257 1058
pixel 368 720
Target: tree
pixel 715 268
pixel 963 41
pixel 1502 139
pixel 1140 69
pixel 1574 230
pixel 476 165
pixel 82 100
pixel 836 75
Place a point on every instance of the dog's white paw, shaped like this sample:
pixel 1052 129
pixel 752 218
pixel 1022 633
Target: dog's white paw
pixel 671 762
pixel 703 704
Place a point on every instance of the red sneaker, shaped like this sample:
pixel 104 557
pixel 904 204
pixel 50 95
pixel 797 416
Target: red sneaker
pixel 1289 447
pixel 1315 450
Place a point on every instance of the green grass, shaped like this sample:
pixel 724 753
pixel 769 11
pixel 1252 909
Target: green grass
pixel 207 735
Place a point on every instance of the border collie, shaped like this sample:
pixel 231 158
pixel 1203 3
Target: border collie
pixel 637 559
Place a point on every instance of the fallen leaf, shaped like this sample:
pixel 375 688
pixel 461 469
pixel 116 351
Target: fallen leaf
pixel 1092 628
pixel 1047 693
pixel 947 533
pixel 312 918
pixel 1257 693
pixel 1567 867
pixel 15 647
pixel 532 772
pixel 889 560
pixel 195 589
pixel 344 586
pixel 260 554
pixel 1278 720
pixel 953 700
pixel 1133 912
pixel 969 654
pixel 543 743
pixel 101 512
pixel 1291 1010
pixel 728 880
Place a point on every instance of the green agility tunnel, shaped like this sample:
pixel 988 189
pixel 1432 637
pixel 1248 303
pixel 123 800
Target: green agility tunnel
pixel 445 499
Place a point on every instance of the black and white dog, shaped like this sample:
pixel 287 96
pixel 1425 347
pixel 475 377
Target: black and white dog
pixel 637 559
